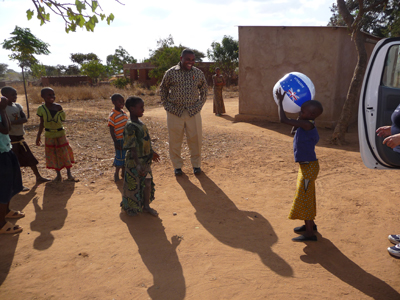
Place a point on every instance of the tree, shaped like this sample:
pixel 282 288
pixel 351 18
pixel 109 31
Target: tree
pixel 3 69
pixel 80 58
pixel 384 22
pixel 94 69
pixel 116 61
pixel 24 45
pixel 354 24
pixel 225 55
pixel 82 13
pixel 167 55
pixel 38 71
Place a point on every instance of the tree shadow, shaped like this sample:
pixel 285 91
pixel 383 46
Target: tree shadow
pixel 325 253
pixel 233 227
pixel 159 255
pixel 53 213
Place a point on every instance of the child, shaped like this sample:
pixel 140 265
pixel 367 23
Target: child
pixel 138 181
pixel 59 154
pixel 10 175
pixel 305 139
pixel 17 118
pixel 116 122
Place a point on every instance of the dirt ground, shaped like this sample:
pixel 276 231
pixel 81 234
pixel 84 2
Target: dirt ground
pixel 221 235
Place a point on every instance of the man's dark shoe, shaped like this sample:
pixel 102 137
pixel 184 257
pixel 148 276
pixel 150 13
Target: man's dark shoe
pixel 196 171
pixel 178 172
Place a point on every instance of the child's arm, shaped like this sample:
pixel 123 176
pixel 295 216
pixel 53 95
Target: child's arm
pixel 392 141
pixel 21 120
pixel 112 132
pixel 5 122
pixel 305 124
pixel 41 127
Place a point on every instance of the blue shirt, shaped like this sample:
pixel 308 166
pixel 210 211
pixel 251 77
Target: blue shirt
pixel 395 129
pixel 5 142
pixel 304 144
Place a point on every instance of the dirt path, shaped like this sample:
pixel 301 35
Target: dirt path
pixel 222 235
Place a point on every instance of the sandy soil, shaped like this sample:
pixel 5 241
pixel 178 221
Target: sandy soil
pixel 221 235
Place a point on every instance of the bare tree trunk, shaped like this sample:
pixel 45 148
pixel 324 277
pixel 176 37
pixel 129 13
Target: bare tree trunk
pixel 26 95
pixel 338 136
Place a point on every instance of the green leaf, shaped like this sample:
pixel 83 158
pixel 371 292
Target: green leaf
pixel 110 18
pixel 94 5
pixel 29 14
pixel 80 21
pixel 80 6
pixel 102 16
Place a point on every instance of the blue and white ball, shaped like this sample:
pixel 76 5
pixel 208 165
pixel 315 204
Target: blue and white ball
pixel 299 89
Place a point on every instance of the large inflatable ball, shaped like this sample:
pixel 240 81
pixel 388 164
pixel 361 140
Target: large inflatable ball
pixel 299 89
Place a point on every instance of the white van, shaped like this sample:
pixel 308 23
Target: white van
pixel 380 95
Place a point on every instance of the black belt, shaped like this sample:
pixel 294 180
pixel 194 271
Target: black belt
pixel 58 129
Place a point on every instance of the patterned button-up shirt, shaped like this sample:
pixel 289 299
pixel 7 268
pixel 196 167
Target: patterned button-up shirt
pixel 182 90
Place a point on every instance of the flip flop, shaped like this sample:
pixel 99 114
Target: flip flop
pixel 9 228
pixel 15 214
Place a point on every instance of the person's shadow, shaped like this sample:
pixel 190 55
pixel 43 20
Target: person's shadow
pixel 159 255
pixel 53 213
pixel 325 253
pixel 233 227
pixel 8 243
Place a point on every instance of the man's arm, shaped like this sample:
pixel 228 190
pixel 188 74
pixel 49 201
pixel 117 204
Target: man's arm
pixel 164 88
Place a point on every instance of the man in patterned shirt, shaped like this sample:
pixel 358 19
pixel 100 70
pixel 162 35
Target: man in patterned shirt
pixel 183 93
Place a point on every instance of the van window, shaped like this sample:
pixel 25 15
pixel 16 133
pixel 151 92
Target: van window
pixel 391 73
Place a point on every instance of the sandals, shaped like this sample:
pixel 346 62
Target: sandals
pixel 15 214
pixel 303 228
pixel 9 228
pixel 151 211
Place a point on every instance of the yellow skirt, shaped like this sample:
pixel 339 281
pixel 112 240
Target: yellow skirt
pixel 304 205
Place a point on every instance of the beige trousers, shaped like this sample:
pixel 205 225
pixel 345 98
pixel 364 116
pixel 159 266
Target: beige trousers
pixel 192 128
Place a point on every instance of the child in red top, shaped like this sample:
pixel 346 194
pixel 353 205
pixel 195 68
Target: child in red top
pixel 116 122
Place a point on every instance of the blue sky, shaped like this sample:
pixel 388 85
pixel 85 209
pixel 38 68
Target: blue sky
pixel 139 24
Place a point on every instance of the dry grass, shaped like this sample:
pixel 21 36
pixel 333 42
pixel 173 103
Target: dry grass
pixel 65 94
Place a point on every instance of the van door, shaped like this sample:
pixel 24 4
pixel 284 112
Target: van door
pixel 380 95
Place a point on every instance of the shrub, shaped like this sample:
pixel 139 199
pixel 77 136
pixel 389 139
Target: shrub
pixel 121 83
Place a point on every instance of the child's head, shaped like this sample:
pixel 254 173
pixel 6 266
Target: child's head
pixel 10 93
pixel 118 101
pixel 311 110
pixel 135 105
pixel 48 95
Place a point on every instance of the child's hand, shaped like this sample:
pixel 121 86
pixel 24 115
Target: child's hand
pixel 38 141
pixel 156 157
pixel 279 95
pixel 384 131
pixel 392 141
pixel 3 103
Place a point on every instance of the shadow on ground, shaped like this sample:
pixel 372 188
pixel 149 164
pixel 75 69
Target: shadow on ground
pixel 233 227
pixel 53 213
pixel 325 253
pixel 159 255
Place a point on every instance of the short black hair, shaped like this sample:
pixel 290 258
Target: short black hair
pixel 44 90
pixel 132 101
pixel 315 105
pixel 7 90
pixel 186 51
pixel 115 97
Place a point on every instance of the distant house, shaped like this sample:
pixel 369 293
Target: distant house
pixel 140 72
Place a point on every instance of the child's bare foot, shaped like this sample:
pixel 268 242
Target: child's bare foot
pixel 72 178
pixel 42 179
pixel 151 211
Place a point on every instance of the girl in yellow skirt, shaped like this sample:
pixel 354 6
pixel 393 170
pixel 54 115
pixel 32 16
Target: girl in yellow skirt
pixel 305 138
pixel 59 154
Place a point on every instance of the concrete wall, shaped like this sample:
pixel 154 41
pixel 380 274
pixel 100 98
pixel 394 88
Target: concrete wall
pixel 325 54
